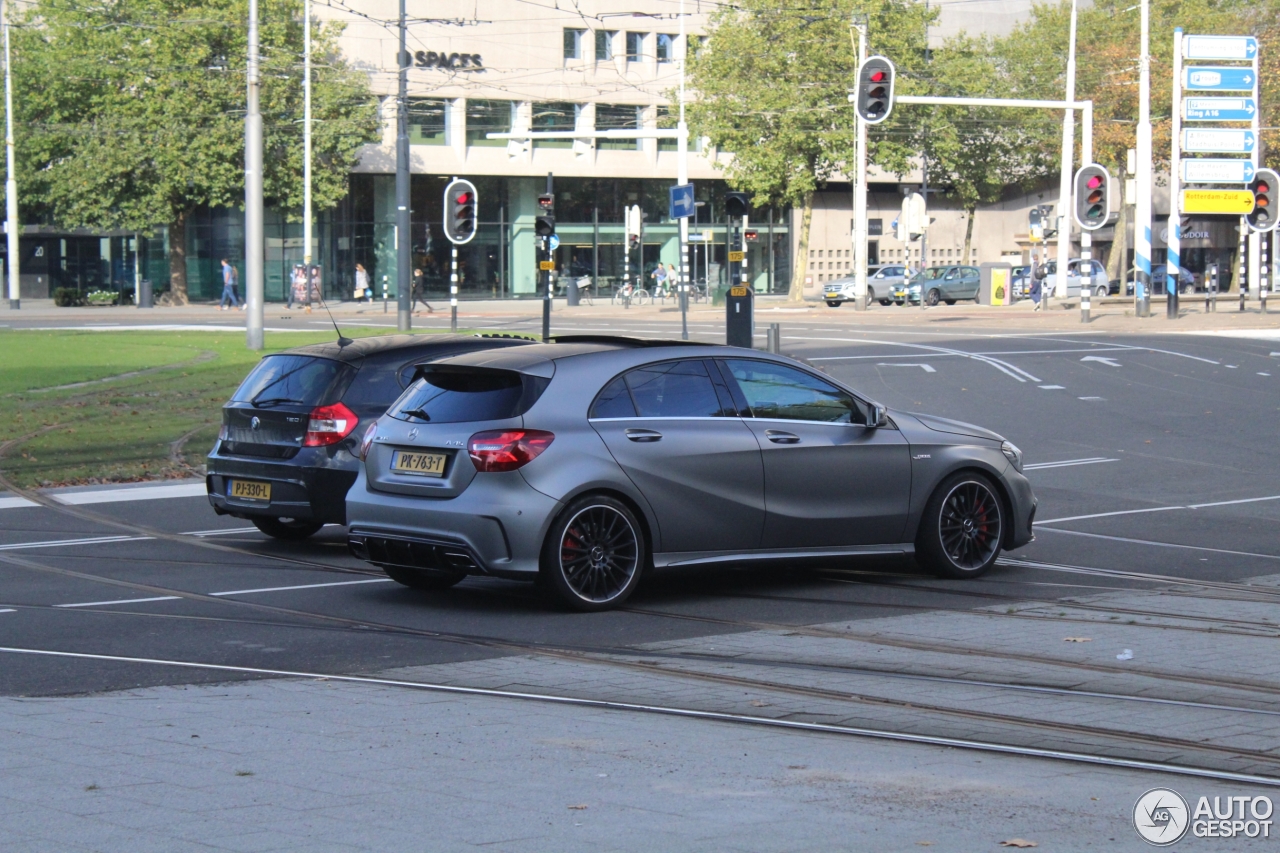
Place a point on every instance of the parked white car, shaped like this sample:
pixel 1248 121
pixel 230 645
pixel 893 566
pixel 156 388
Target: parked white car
pixel 1079 272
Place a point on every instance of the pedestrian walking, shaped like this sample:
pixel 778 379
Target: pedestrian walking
pixel 659 276
pixel 362 284
pixel 229 287
pixel 1038 274
pixel 419 293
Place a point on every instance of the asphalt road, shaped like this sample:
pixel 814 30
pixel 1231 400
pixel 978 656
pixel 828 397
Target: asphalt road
pixel 1149 454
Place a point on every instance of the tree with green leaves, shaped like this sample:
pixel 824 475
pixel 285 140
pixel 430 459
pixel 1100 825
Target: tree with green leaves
pixel 130 114
pixel 770 88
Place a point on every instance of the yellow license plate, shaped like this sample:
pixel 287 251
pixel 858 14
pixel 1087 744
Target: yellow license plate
pixel 250 490
pixel 425 464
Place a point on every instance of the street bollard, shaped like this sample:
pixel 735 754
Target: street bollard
pixel 773 338
pixel 1084 302
pixel 384 294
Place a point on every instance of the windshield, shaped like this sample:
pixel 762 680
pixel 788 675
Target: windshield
pixel 283 380
pixel 452 396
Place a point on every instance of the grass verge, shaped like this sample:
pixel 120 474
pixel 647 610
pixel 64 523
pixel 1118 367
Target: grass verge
pixel 157 423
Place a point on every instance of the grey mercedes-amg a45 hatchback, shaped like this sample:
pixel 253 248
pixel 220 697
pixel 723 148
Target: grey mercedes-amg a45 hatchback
pixel 585 461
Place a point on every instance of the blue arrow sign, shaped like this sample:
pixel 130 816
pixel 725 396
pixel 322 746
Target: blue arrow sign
pixel 681 202
pixel 554 242
pixel 1218 141
pixel 1218 78
pixel 1219 47
pixel 1207 171
pixel 1219 109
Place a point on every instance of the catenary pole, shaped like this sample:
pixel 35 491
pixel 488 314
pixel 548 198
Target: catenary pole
pixel 1064 177
pixel 860 189
pixel 253 254
pixel 404 236
pixel 1173 242
pixel 1142 205
pixel 682 178
pixel 11 182
pixel 306 137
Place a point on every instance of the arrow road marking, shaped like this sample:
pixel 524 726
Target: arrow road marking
pixel 927 368
pixel 1109 362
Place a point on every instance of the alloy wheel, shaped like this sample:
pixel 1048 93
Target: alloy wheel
pixel 599 553
pixel 970 525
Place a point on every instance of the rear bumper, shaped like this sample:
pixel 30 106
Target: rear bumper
pixel 298 490
pixel 495 527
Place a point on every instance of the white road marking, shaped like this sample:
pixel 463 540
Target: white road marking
pixel 102 540
pixel 143 493
pixel 1004 367
pixel 927 368
pixel 1109 362
pixel 1093 398
pixel 1158 544
pixel 1157 509
pixel 229 592
pixel 8 610
pixel 1094 460
pixel 1260 373
pixel 1053 387
pixel 158 327
pixel 16 503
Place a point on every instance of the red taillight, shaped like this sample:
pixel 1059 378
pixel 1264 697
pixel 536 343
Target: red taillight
pixel 329 425
pixel 367 440
pixel 507 449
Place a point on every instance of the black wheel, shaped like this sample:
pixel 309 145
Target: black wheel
pixel 419 579
pixel 834 303
pixel 962 528
pixel 899 302
pixel 594 554
pixel 933 298
pixel 887 302
pixel 288 529
pixel 951 302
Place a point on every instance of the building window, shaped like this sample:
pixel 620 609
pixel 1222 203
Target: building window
pixel 666 47
pixel 485 117
pixel 427 121
pixel 635 47
pixel 617 117
pixel 573 43
pixel 554 115
pixel 604 45
pixel 668 121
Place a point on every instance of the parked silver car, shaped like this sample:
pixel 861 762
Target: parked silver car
pixel 882 284
pixel 1079 272
pixel 583 462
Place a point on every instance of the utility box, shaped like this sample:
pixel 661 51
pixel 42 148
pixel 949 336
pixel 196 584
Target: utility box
pixel 995 284
pixel 739 317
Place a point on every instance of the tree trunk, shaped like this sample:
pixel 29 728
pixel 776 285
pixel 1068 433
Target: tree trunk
pixel 801 264
pixel 178 259
pixel 969 211
pixel 1116 263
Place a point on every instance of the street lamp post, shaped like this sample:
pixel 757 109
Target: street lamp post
pixel 1064 182
pixel 404 237
pixel 306 138
pixel 253 254
pixel 1142 205
pixel 860 22
pixel 11 182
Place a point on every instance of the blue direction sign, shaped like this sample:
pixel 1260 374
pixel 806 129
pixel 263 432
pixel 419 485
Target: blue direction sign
pixel 553 242
pixel 1218 78
pixel 1219 47
pixel 1218 140
pixel 1219 109
pixel 681 202
pixel 1207 171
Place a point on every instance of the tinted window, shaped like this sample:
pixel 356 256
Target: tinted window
pixel 281 380
pixel 614 401
pixel 378 384
pixel 778 391
pixel 453 396
pixel 676 389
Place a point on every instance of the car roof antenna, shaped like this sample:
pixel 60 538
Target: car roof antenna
pixel 343 340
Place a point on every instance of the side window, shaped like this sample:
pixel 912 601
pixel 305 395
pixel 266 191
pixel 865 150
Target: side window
pixel 613 402
pixel 778 391
pixel 673 389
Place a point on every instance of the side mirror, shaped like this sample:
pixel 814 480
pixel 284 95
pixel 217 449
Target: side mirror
pixel 878 416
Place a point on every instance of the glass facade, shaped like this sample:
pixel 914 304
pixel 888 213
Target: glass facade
pixel 428 121
pixel 555 115
pixel 484 117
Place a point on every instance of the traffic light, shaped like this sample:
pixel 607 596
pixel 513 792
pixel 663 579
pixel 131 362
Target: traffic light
pixel 736 205
pixel 545 224
pixel 1264 185
pixel 1092 197
pixel 873 99
pixel 633 242
pixel 460 205
pixel 1036 225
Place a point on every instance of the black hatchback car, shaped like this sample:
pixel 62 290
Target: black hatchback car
pixel 284 458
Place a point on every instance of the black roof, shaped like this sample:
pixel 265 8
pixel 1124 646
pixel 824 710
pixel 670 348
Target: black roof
pixel 361 348
pixel 538 358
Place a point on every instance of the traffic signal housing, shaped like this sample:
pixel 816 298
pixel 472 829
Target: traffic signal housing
pixel 1264 187
pixel 460 206
pixel 873 97
pixel 1036 225
pixel 545 224
pixel 736 205
pixel 1092 197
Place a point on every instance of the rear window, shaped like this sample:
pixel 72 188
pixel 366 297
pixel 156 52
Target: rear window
pixel 379 383
pixel 453 396
pixel 282 380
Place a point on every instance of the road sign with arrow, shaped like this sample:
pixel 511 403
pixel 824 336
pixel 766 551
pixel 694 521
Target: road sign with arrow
pixel 1218 140
pixel 1219 109
pixel 1219 47
pixel 1217 78
pixel 1217 171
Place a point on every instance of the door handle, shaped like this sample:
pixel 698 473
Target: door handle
pixel 644 435
pixel 777 436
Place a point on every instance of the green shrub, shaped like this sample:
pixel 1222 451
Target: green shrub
pixel 67 297
pixel 101 297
